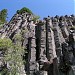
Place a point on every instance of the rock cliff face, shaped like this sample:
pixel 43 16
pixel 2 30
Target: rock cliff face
pixel 50 43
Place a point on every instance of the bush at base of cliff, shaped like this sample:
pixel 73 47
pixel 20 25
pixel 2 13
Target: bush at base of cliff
pixel 13 56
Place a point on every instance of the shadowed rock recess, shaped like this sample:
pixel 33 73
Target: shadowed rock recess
pixel 49 43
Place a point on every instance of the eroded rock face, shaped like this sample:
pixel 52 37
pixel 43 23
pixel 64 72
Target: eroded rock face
pixel 48 42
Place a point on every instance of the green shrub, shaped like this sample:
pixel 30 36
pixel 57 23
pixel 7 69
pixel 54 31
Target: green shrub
pixel 5 44
pixel 23 10
pixel 35 18
pixel 13 54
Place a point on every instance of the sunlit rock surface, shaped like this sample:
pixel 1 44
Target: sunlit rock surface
pixel 50 43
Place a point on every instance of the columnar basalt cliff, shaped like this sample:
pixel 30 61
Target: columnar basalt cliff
pixel 49 43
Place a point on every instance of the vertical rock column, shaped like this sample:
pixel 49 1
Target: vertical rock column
pixel 64 29
pixel 29 43
pixel 49 48
pixel 41 47
pixel 58 37
pixel 32 49
pixel 49 41
pixel 55 61
pixel 52 50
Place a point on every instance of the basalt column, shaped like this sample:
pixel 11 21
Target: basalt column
pixel 41 47
pixel 52 50
pixel 49 50
pixel 58 38
pixel 32 50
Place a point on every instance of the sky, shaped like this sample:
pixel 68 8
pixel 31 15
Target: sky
pixel 43 8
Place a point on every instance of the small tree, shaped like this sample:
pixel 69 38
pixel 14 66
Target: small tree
pixel 3 16
pixel 23 10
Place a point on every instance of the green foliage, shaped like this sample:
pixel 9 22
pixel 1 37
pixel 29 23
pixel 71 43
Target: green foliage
pixel 1 26
pixel 35 18
pixel 5 44
pixel 23 10
pixel 3 16
pixel 17 37
pixel 14 58
pixel 1 23
pixel 4 72
pixel 13 55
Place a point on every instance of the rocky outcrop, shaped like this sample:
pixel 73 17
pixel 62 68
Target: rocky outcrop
pixel 49 43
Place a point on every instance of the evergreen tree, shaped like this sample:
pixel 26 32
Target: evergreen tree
pixel 3 16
